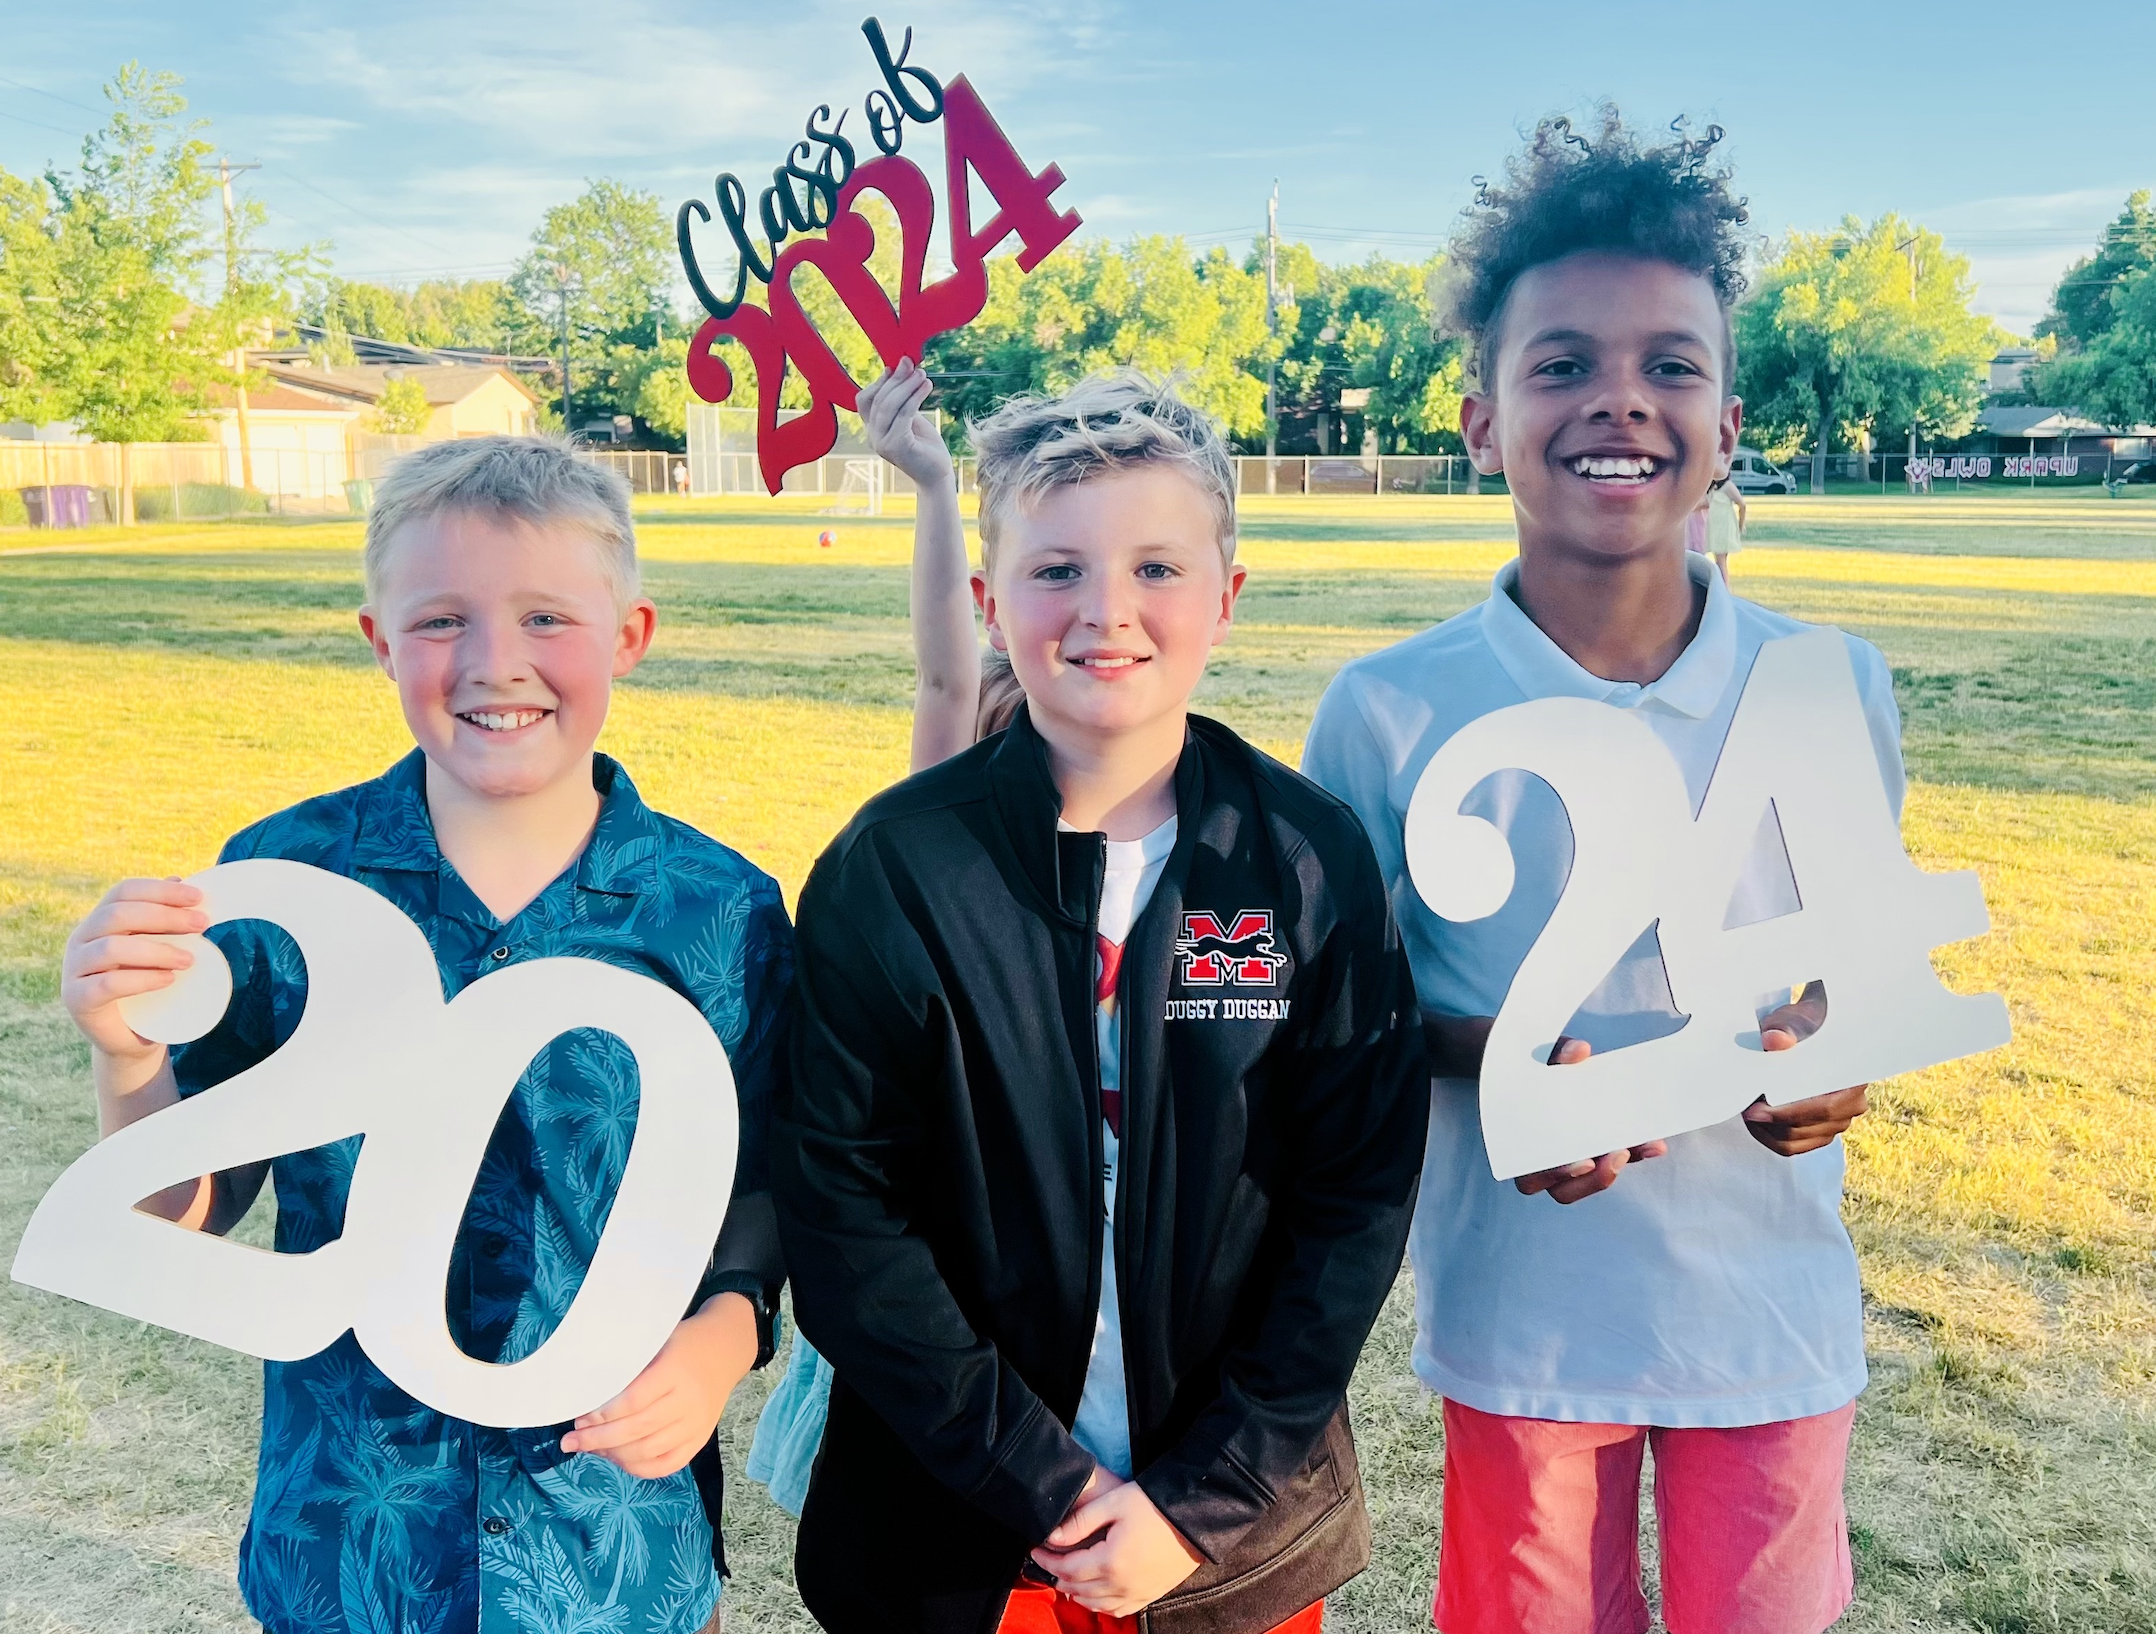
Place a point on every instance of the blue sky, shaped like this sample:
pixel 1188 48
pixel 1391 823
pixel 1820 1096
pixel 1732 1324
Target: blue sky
pixel 426 138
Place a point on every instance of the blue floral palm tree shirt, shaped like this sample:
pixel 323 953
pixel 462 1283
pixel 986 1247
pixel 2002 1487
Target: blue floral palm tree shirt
pixel 374 1514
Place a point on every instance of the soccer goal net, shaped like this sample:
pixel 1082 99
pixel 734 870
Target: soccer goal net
pixel 861 493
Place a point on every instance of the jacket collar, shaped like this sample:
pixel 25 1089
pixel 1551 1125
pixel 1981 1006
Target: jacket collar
pixel 1023 791
pixel 1694 685
pixel 393 831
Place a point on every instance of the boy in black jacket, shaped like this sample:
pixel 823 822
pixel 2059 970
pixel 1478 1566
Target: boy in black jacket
pixel 1093 1240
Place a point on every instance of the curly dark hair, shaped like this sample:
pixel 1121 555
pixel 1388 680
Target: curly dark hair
pixel 1567 192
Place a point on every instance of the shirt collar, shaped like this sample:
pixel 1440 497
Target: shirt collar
pixel 1694 685
pixel 1022 789
pixel 623 856
pixel 396 833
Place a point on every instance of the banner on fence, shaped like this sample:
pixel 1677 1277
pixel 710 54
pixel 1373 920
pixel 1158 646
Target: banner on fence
pixel 1965 466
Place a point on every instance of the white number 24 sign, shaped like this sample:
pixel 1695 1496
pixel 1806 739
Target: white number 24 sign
pixel 1798 745
pixel 378 1053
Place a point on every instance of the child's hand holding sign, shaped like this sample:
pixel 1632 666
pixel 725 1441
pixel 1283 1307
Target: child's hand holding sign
pixel 130 944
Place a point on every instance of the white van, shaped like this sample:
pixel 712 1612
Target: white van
pixel 1751 472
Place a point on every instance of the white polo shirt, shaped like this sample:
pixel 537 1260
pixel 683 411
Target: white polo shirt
pixel 1715 1286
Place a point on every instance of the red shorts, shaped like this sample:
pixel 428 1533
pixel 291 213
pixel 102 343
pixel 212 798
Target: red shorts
pixel 1541 1530
pixel 1036 1609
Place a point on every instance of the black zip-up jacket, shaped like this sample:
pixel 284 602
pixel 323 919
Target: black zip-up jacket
pixel 937 1165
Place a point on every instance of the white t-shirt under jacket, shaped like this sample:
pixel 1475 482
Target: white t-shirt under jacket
pixel 1715 1286
pixel 1103 1423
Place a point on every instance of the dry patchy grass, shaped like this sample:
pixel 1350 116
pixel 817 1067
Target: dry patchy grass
pixel 161 687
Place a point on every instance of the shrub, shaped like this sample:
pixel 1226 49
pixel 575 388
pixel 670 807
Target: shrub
pixel 402 410
pixel 198 499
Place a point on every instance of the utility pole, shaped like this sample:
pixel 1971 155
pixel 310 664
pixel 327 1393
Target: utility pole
pixel 226 170
pixel 1907 247
pixel 568 417
pixel 1272 325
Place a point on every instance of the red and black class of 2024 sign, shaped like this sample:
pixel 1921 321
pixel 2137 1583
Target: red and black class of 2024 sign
pixel 815 191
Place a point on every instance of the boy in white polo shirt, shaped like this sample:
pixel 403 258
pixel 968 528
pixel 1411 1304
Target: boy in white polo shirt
pixel 1708 1302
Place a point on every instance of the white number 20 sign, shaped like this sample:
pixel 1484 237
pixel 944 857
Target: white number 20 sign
pixel 378 1053
pixel 1798 745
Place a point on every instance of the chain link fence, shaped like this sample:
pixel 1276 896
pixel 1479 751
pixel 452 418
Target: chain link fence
pixel 47 484
pixel 1360 474
pixel 2085 462
pixel 731 470
pixel 85 484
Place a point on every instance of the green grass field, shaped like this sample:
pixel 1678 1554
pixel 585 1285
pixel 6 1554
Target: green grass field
pixel 160 687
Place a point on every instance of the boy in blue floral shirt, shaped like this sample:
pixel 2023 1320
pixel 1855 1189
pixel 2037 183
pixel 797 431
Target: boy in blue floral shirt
pixel 502 600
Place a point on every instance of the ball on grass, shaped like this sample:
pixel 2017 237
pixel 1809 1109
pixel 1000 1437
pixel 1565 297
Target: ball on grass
pixel 826 539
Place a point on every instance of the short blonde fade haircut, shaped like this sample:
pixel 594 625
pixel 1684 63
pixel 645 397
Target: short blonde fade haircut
pixel 537 480
pixel 1034 444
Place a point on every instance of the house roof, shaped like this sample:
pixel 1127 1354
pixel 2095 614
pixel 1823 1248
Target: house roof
pixel 369 349
pixel 280 398
pixel 363 383
pixel 2028 420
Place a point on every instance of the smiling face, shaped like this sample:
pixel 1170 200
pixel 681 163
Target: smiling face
pixel 1109 595
pixel 504 639
pixel 1604 406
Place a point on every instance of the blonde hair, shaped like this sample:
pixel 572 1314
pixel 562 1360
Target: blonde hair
pixel 1001 695
pixel 1034 444
pixel 537 480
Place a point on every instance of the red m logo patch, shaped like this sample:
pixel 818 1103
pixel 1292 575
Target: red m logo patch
pixel 1241 952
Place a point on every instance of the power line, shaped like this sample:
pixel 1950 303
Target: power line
pixel 342 204
pixel 37 123
pixel 361 273
pixel 280 169
pixel 1361 232
pixel 52 96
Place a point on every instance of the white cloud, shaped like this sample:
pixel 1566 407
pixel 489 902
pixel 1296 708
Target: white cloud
pixel 292 130
pixel 516 120
pixel 2019 244
pixel 636 83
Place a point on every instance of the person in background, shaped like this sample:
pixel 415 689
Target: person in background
pixel 958 699
pixel 1725 523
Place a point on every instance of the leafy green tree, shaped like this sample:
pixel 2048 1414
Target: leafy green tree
pixel 602 267
pixel 476 315
pixel 2103 315
pixel 1093 306
pixel 1153 304
pixel 402 410
pixel 373 310
pixel 2113 379
pixel 1369 327
pixel 114 310
pixel 659 393
pixel 2086 302
pixel 1861 329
